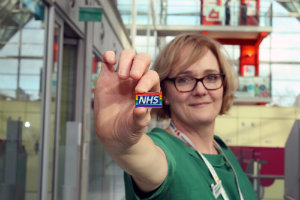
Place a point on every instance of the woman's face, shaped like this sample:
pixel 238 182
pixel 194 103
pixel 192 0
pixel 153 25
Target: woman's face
pixel 200 106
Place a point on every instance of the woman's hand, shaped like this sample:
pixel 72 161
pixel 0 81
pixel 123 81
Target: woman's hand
pixel 118 122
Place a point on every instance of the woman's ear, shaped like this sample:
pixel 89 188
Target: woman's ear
pixel 166 101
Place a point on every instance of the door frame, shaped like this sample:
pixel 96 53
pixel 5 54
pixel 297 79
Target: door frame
pixel 57 21
pixel 56 17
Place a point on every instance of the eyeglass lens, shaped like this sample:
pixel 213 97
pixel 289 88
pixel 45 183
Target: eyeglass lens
pixel 210 82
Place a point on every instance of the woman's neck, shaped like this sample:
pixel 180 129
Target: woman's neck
pixel 202 136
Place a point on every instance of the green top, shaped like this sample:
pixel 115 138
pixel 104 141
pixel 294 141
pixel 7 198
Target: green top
pixel 188 176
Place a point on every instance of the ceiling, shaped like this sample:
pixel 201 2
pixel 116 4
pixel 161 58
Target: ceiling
pixel 293 6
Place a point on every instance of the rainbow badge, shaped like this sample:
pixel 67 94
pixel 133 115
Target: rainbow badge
pixel 149 99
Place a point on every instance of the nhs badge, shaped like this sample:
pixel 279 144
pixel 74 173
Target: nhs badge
pixel 149 99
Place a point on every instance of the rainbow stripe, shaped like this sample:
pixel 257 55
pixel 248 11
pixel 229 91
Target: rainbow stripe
pixel 148 99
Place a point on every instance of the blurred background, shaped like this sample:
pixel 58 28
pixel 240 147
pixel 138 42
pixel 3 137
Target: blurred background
pixel 50 57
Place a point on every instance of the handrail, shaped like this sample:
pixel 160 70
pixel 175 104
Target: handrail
pixel 252 176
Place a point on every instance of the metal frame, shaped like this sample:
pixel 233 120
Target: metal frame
pixel 77 42
pixel 86 73
pixel 46 107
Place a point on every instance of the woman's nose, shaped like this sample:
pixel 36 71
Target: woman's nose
pixel 200 89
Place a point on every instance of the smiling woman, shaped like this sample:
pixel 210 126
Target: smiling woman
pixel 176 61
pixel 197 105
pixel 185 160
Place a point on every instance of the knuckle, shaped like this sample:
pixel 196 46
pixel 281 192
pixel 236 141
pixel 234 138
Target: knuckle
pixel 143 56
pixel 154 75
pixel 127 53
pixel 145 121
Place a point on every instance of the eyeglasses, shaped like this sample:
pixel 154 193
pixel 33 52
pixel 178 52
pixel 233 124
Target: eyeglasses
pixel 188 83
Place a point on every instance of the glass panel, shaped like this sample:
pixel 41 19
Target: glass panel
pixel 191 12
pixel 264 70
pixel 288 55
pixel 67 113
pixel 20 100
pixel 105 176
pixel 97 153
pixel 285 84
pixel 8 82
pixel 56 54
pixel 285 40
pixel 264 54
pixel 233 51
pixel 31 67
pixel 10 49
pixel 8 66
pixel 32 49
pixel 288 72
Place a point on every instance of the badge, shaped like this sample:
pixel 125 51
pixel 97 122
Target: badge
pixel 148 99
pixel 216 189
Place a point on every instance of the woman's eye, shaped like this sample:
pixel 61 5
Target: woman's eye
pixel 182 80
pixel 212 77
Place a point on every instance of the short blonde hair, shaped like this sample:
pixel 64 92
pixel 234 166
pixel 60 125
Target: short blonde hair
pixel 198 45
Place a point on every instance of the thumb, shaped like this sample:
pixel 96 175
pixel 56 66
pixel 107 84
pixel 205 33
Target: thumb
pixel 141 118
pixel 108 61
pixel 107 69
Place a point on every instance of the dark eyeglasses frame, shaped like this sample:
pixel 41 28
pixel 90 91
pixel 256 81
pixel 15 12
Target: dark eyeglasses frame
pixel 196 83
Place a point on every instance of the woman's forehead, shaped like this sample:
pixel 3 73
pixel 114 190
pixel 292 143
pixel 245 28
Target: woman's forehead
pixel 184 58
pixel 203 63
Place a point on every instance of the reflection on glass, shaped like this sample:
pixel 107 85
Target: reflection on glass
pixel 20 98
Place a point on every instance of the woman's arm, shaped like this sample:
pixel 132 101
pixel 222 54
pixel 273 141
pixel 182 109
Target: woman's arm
pixel 120 125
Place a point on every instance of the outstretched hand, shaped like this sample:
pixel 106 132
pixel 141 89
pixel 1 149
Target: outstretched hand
pixel 118 121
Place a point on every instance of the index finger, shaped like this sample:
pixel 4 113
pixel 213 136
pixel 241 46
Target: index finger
pixel 108 60
pixel 125 62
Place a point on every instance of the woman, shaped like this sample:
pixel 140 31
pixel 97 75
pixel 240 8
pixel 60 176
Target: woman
pixel 186 160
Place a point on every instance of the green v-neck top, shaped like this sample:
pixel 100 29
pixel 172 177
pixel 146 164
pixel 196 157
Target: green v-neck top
pixel 188 177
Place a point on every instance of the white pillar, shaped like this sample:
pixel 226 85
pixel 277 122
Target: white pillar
pixel 133 24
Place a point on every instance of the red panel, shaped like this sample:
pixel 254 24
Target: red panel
pixel 273 158
pixel 205 22
pixel 55 51
pixel 214 13
pixel 249 56
pixel 275 163
pixel 95 63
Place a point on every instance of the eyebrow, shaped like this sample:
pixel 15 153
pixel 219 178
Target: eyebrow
pixel 208 71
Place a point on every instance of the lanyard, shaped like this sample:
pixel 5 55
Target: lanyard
pixel 217 189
